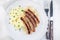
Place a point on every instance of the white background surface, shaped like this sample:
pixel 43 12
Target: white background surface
pixel 56 18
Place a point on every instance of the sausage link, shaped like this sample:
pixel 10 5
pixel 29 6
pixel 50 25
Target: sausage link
pixel 34 15
pixel 26 23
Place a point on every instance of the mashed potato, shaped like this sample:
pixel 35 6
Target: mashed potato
pixel 15 15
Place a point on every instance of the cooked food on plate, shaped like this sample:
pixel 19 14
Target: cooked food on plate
pixel 24 18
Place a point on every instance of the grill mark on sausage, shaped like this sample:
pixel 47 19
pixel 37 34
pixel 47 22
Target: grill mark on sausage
pixel 33 24
pixel 26 24
pixel 34 15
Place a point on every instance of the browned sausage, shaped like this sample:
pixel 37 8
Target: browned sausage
pixel 31 16
pixel 26 18
pixel 26 23
pixel 37 20
pixel 26 12
pixel 31 20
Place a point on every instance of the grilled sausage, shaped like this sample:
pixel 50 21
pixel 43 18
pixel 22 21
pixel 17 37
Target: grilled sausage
pixel 26 23
pixel 32 13
pixel 28 13
pixel 31 22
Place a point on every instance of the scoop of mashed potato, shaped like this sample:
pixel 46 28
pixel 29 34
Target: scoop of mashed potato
pixel 15 15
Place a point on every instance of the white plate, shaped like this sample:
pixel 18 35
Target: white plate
pixel 41 29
